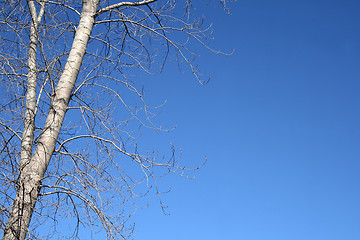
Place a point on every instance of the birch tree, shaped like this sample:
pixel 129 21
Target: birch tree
pixel 67 71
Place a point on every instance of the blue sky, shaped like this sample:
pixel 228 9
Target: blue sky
pixel 278 122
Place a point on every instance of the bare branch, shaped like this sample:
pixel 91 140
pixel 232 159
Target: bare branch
pixel 124 4
pixel 11 130
pixel 70 78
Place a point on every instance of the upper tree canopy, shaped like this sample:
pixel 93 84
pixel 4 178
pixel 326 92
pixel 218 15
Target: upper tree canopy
pixel 69 94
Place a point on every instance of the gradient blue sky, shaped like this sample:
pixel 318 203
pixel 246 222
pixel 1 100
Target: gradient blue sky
pixel 279 123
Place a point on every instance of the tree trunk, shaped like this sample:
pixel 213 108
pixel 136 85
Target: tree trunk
pixel 31 173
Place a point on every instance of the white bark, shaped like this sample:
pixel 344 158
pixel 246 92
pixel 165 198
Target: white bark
pixel 32 173
pixel 133 31
pixel 29 116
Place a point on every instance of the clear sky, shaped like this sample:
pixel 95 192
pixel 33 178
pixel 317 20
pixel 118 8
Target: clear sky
pixel 278 122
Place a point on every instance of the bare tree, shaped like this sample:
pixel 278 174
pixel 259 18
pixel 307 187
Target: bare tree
pixel 66 70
